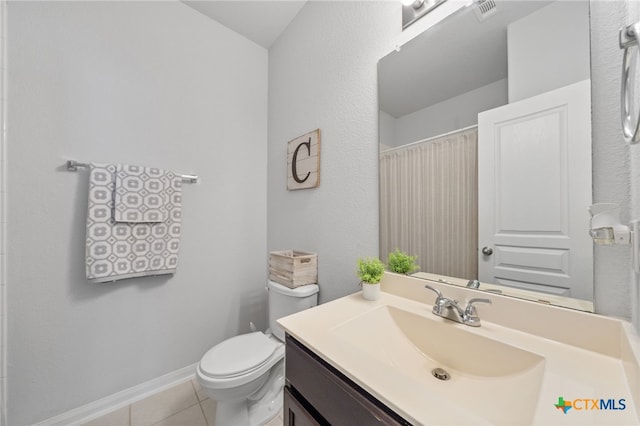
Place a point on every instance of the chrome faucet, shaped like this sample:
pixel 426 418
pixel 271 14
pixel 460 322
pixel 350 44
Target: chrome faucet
pixel 473 284
pixel 449 309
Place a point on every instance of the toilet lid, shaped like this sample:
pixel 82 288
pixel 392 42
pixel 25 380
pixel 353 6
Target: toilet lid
pixel 238 355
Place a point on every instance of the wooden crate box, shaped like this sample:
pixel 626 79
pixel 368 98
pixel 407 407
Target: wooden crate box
pixel 293 268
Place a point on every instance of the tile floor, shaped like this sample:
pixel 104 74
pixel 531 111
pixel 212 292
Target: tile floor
pixel 182 405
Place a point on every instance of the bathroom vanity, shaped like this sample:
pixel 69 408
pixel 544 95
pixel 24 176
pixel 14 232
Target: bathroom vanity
pixel 316 394
pixel 352 361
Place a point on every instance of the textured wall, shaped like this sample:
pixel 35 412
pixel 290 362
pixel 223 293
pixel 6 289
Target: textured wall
pixel 611 165
pixel 152 83
pixel 633 15
pixel 322 73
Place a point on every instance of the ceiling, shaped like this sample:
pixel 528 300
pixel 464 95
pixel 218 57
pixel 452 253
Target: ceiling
pixel 259 21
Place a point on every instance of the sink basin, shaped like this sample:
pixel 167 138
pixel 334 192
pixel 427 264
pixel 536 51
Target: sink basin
pixel 409 340
pixel 483 373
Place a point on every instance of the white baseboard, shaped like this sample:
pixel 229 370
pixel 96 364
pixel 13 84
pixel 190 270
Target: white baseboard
pixel 105 405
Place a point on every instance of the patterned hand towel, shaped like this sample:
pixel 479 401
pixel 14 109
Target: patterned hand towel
pixel 143 194
pixel 119 250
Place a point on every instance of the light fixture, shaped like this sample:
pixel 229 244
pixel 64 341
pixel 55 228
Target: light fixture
pixel 412 10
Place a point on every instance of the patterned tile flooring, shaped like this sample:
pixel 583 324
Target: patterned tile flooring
pixel 182 405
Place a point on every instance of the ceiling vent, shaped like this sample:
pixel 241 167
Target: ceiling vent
pixel 484 8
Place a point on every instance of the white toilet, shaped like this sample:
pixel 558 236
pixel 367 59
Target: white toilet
pixel 245 374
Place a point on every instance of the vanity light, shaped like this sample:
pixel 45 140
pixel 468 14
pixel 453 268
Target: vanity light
pixel 412 10
pixel 606 229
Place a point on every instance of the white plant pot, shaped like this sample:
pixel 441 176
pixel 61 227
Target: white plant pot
pixel 371 291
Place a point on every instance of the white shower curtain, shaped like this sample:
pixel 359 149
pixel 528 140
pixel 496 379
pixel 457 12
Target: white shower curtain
pixel 429 203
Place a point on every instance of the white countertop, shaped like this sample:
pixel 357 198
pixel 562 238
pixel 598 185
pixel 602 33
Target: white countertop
pixel 566 370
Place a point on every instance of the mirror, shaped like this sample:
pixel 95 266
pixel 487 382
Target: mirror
pixel 485 151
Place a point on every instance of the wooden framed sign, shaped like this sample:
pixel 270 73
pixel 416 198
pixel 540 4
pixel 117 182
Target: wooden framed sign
pixel 303 161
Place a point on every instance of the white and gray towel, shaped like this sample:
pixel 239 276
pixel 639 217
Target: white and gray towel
pixel 117 250
pixel 143 194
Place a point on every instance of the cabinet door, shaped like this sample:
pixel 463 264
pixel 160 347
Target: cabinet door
pixel 294 413
pixel 338 400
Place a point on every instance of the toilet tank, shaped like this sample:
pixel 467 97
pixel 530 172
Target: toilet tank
pixel 285 301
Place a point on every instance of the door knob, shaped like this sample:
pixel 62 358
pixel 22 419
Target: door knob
pixel 487 251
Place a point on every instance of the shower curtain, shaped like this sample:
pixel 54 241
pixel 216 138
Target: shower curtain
pixel 429 203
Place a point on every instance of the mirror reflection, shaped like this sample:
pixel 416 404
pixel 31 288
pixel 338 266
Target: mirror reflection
pixel 485 151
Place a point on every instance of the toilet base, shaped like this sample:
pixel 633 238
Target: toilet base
pixel 260 408
pixel 267 403
pixel 261 414
pixel 246 413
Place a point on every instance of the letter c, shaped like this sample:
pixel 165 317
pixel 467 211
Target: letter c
pixel 294 168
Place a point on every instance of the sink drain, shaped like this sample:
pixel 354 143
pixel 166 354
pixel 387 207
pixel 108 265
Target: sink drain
pixel 440 374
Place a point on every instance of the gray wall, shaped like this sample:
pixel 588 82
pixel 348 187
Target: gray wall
pixel 322 73
pixel 616 166
pixel 452 114
pixel 633 15
pixel 611 166
pixel 141 83
pixel 557 56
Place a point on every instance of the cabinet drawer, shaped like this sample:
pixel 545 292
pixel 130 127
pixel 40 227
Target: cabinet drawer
pixel 295 413
pixel 337 398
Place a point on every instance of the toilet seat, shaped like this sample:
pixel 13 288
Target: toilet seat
pixel 238 356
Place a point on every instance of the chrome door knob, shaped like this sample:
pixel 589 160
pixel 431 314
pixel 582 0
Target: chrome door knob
pixel 487 251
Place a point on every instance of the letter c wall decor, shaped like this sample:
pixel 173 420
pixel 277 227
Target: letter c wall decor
pixel 303 161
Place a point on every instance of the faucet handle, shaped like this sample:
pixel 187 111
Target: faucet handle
pixel 428 287
pixel 470 313
pixel 472 309
pixel 440 303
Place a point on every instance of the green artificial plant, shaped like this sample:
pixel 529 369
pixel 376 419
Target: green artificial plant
pixel 401 263
pixel 370 270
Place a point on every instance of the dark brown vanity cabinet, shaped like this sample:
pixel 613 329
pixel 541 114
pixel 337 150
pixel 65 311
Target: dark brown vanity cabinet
pixel 318 394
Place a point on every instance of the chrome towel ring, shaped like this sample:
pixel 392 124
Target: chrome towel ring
pixel 629 41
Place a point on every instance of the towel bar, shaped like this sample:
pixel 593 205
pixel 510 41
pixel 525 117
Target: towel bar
pixel 629 42
pixel 73 166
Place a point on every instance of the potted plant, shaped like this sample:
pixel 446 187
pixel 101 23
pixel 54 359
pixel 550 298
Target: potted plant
pixel 401 263
pixel 370 272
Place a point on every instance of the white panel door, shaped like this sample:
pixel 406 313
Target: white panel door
pixel 534 180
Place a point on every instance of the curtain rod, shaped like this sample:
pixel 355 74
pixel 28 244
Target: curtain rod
pixel 464 129
pixel 73 166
